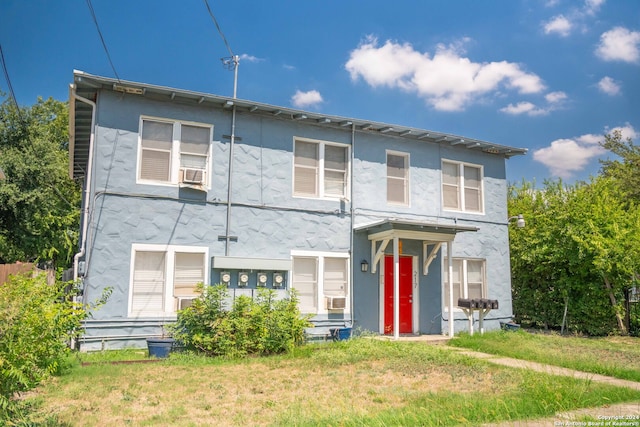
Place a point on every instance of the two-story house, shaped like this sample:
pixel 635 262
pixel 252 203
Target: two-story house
pixel 378 226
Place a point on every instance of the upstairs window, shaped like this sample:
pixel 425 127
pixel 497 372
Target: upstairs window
pixel 155 152
pixel 174 152
pixel 397 178
pixel 320 169
pixel 462 187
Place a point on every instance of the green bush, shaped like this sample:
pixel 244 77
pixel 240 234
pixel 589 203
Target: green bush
pixel 37 321
pixel 264 325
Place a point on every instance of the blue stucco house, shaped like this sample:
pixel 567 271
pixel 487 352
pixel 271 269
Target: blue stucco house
pixel 377 226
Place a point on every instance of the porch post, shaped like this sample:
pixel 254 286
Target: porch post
pixel 396 288
pixel 450 284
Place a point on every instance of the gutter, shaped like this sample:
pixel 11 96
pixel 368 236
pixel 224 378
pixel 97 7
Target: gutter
pixel 87 188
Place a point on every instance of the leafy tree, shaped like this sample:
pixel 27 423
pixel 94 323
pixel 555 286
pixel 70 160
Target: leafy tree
pixel 39 203
pixel 573 264
pixel 626 169
pixel 37 321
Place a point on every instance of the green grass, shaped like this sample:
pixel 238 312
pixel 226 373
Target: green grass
pixel 617 357
pixel 361 382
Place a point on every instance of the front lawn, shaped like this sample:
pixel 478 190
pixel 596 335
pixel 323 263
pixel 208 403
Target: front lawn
pixel 612 356
pixel 359 382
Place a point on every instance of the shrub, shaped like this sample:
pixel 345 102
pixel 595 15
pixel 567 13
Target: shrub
pixel 217 327
pixel 37 321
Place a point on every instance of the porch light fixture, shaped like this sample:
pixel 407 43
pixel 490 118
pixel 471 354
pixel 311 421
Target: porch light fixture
pixel 364 266
pixel 520 223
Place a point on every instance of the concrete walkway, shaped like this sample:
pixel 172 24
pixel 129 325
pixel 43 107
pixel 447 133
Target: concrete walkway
pixel 625 414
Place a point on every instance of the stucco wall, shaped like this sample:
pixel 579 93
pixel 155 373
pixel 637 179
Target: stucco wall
pixel 267 219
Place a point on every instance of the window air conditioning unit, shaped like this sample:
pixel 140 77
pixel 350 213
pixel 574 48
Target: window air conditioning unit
pixel 184 303
pixel 336 303
pixel 193 176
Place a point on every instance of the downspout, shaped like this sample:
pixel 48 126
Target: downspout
pixel 87 189
pixel 351 194
pixel 230 170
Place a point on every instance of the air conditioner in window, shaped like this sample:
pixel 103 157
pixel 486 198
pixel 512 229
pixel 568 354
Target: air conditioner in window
pixel 336 303
pixel 193 176
pixel 184 303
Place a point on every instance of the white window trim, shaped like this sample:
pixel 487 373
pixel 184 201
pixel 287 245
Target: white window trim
pixel 174 168
pixel 407 189
pixel 170 251
pixel 321 195
pixel 460 166
pixel 320 256
pixel 465 288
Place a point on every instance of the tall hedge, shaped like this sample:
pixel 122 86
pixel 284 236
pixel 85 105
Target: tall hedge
pixel 577 259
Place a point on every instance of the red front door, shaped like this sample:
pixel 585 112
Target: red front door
pixel 406 294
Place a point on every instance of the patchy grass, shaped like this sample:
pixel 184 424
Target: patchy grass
pixel 358 382
pixel 612 356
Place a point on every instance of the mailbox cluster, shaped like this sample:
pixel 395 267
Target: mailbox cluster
pixel 478 303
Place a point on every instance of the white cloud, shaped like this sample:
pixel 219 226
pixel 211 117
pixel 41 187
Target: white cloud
pixel 592 6
pixel 590 139
pixel 524 108
pixel 555 97
pixel 306 99
pixel 558 24
pixel 554 101
pixel 619 44
pixel 609 86
pixel 447 80
pixel 627 132
pixel 250 58
pixel 564 157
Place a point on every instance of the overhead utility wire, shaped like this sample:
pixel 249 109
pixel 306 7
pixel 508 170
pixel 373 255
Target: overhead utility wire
pixel 6 76
pixel 95 21
pixel 215 21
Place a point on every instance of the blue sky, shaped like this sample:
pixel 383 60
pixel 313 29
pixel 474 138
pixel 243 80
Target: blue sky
pixel 552 76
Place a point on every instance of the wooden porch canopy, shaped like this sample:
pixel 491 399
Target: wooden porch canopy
pixel 432 235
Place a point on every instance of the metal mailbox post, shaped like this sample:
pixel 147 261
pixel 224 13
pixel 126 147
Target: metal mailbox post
pixel 482 305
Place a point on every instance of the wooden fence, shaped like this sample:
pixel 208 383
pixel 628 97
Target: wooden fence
pixel 23 267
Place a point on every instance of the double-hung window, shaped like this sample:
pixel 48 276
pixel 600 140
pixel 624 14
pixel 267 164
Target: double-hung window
pixel 320 169
pixel 321 281
pixel 397 178
pixel 469 280
pixel 173 152
pixel 462 187
pixel 164 279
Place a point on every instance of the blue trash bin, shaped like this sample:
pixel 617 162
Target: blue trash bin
pixel 159 347
pixel 340 334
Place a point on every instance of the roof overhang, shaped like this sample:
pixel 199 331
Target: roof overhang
pixel 89 86
pixel 415 230
pixel 431 234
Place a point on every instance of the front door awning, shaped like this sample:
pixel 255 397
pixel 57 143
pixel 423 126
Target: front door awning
pixel 432 235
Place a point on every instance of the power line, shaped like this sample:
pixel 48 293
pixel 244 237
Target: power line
pixel 95 21
pixel 6 76
pixel 206 2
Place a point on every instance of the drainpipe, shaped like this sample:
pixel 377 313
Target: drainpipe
pixel 87 189
pixel 227 236
pixel 230 169
pixel 353 260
